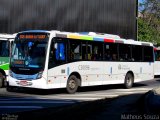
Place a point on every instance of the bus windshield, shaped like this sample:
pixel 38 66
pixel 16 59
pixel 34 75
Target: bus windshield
pixel 29 54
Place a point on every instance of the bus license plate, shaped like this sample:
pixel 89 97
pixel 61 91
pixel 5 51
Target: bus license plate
pixel 23 82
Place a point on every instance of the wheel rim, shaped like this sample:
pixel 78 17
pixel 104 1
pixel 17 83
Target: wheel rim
pixel 72 84
pixel 129 81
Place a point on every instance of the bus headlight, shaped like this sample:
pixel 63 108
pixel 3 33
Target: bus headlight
pixel 39 75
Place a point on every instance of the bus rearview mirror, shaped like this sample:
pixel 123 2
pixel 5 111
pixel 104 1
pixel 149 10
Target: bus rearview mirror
pixel 55 45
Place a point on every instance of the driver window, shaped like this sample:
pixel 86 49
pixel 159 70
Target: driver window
pixel 57 53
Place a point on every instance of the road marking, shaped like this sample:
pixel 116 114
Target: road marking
pixel 86 98
pixel 21 107
pixel 133 89
pixel 71 98
pixel 129 92
pixel 35 102
pixel 80 98
pixel 87 95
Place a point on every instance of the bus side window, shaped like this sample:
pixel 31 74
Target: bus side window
pixel 125 52
pixel 148 53
pixel 110 52
pixel 89 50
pixel 97 51
pixel 4 49
pixel 137 53
pixel 75 50
pixel 60 51
pixel 84 52
pixel 157 55
pixel 10 47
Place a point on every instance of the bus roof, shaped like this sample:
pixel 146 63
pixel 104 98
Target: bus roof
pixel 91 36
pixel 7 36
pixel 35 31
pixel 103 38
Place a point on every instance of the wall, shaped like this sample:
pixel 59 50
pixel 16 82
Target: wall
pixel 106 16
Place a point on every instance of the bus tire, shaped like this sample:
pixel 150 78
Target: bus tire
pixel 129 80
pixel 1 80
pixel 72 84
pixel 9 89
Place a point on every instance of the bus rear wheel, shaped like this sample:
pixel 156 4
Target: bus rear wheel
pixel 129 79
pixel 1 80
pixel 72 84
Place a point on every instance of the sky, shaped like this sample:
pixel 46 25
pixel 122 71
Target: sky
pixel 140 1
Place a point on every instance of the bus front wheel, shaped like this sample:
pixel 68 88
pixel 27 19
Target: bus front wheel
pixel 129 79
pixel 72 84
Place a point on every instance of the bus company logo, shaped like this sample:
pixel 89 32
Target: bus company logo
pixel 119 67
pixel 123 67
pixel 83 67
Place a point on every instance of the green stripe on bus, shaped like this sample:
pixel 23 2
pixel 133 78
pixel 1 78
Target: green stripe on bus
pixel 4 67
pixel 86 38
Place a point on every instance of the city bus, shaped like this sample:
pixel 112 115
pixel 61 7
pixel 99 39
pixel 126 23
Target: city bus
pixel 5 44
pixel 55 59
pixel 157 62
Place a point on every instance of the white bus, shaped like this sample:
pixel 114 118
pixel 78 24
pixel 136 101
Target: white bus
pixel 157 62
pixel 5 44
pixel 54 59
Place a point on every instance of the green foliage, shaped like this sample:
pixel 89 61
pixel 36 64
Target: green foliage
pixel 147 32
pixel 149 21
pixel 144 31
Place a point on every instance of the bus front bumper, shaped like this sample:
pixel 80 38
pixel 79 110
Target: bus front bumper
pixel 38 83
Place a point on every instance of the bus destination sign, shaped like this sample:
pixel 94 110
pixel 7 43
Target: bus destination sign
pixel 31 36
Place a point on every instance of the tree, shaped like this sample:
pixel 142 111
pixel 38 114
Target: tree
pixel 149 21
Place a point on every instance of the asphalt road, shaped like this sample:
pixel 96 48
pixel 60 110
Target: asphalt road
pixel 31 99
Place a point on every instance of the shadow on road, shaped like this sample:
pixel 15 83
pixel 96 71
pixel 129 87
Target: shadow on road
pixel 158 80
pixel 63 90
pixel 99 110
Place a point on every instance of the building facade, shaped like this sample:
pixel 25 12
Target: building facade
pixel 105 16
